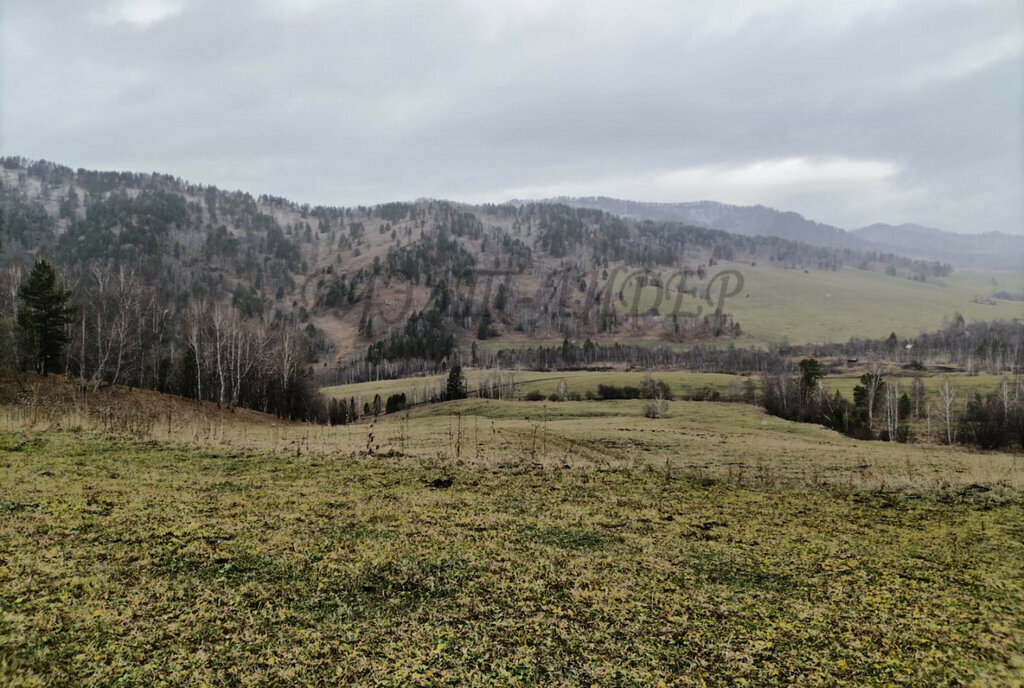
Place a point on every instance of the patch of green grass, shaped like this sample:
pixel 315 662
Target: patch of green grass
pixel 140 564
pixel 16 442
pixel 966 385
pixel 568 538
pixel 575 382
pixel 816 306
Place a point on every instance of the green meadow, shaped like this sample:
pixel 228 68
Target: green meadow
pixel 813 306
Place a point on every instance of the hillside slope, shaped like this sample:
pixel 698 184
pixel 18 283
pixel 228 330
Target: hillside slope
pixel 432 279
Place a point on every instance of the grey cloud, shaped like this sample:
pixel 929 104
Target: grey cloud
pixel 352 103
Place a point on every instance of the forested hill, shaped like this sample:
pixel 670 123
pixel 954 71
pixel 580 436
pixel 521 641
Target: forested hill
pixel 391 282
pixel 988 251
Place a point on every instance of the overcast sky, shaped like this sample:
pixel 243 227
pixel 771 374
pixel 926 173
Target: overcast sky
pixel 847 112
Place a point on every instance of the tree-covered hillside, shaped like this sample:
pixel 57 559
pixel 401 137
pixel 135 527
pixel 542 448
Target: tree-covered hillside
pixel 393 282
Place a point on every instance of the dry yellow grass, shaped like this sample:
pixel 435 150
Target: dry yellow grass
pixel 734 442
pixel 146 540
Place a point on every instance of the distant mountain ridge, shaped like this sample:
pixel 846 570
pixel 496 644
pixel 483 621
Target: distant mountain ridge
pixel 991 250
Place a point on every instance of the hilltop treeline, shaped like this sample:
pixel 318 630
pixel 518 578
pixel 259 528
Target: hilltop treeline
pixel 573 354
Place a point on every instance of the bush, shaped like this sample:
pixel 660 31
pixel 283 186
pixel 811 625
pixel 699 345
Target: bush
pixel 395 403
pixel 607 392
pixel 706 393
pixel 655 408
pixel 653 389
pixel 648 389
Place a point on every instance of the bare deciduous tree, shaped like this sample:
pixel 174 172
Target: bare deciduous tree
pixel 195 330
pixel 947 397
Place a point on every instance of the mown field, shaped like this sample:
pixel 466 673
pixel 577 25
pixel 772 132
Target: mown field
pixel 817 306
pixel 502 543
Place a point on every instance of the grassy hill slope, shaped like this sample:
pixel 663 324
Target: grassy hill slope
pixel 808 306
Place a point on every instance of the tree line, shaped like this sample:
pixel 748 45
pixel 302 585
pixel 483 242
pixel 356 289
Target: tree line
pixel 882 408
pixel 104 326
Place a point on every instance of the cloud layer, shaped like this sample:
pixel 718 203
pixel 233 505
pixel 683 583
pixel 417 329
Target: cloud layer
pixel 850 113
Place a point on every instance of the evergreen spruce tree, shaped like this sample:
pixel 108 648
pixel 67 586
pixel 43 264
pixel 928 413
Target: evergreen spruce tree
pixel 43 318
pixel 456 388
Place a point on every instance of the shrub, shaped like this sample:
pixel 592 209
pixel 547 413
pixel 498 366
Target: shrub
pixel 655 408
pixel 395 403
pixel 652 389
pixel 607 392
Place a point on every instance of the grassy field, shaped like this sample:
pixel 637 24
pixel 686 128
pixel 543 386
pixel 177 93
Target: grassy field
pixel 155 564
pixel 684 384
pixel 579 382
pixel 489 542
pixel 817 306
pixel 966 385
pixel 822 306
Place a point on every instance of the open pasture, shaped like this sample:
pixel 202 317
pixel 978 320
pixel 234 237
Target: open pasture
pixel 487 542
pixel 153 563
pixel 817 306
pixel 728 441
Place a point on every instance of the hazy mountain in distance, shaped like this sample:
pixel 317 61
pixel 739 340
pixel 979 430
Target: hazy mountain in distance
pixel 756 220
pixel 991 250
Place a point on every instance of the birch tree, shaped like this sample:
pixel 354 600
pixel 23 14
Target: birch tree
pixel 195 330
pixel 219 322
pixel 947 399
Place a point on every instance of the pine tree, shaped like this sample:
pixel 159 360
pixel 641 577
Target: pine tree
pixel 43 318
pixel 456 388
